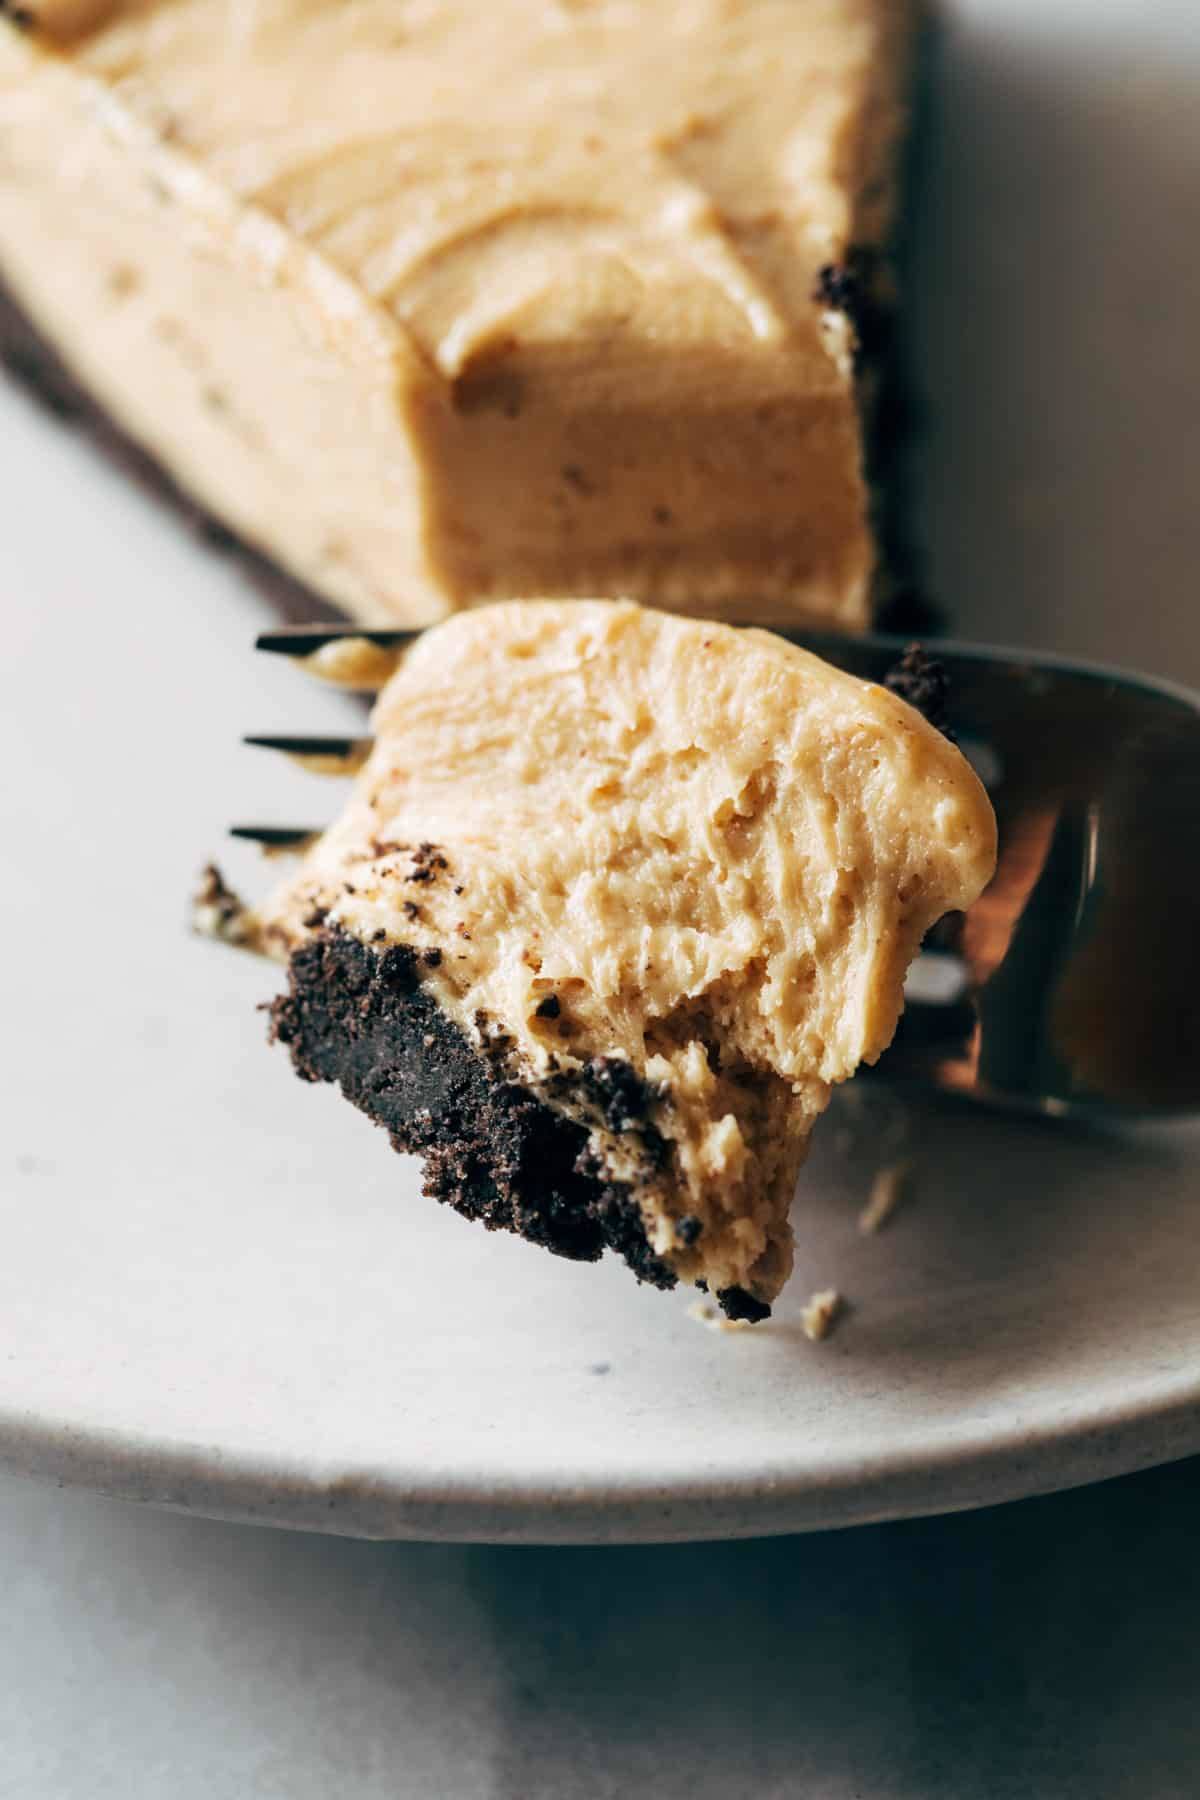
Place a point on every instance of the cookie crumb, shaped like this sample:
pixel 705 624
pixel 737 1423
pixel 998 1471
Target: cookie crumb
pixel 818 1318
pixel 888 1190
pixel 921 680
pixel 217 912
pixel 713 1319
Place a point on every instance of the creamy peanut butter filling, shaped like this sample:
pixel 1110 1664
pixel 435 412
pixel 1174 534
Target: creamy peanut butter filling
pixel 701 853
pixel 433 300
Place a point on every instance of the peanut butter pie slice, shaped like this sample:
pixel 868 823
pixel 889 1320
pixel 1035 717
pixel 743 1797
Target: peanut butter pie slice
pixel 616 898
pixel 429 301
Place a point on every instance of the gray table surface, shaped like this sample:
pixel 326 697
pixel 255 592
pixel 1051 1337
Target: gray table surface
pixel 1045 1650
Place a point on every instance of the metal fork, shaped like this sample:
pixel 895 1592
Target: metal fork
pixel 1073 985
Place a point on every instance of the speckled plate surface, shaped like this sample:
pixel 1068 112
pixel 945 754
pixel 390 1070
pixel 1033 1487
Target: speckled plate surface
pixel 221 1291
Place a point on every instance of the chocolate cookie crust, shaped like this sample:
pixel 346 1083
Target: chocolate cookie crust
pixel 921 680
pixel 492 1149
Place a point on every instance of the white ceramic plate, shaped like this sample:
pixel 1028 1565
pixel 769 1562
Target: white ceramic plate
pixel 220 1290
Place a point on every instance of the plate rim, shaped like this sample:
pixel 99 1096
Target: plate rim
pixel 973 1471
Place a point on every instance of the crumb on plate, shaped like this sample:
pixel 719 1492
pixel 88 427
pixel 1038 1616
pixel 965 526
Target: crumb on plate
pixel 705 1313
pixel 819 1315
pixel 889 1188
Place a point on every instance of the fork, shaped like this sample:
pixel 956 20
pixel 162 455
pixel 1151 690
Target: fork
pixel 1072 987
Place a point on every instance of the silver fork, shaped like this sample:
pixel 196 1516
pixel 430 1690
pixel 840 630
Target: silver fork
pixel 1073 985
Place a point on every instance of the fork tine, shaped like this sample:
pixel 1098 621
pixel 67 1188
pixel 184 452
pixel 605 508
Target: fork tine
pixel 319 755
pixel 347 655
pixel 303 640
pixel 277 838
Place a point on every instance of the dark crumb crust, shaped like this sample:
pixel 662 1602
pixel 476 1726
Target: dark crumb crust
pixel 921 680
pixel 36 364
pixel 864 286
pixel 492 1150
